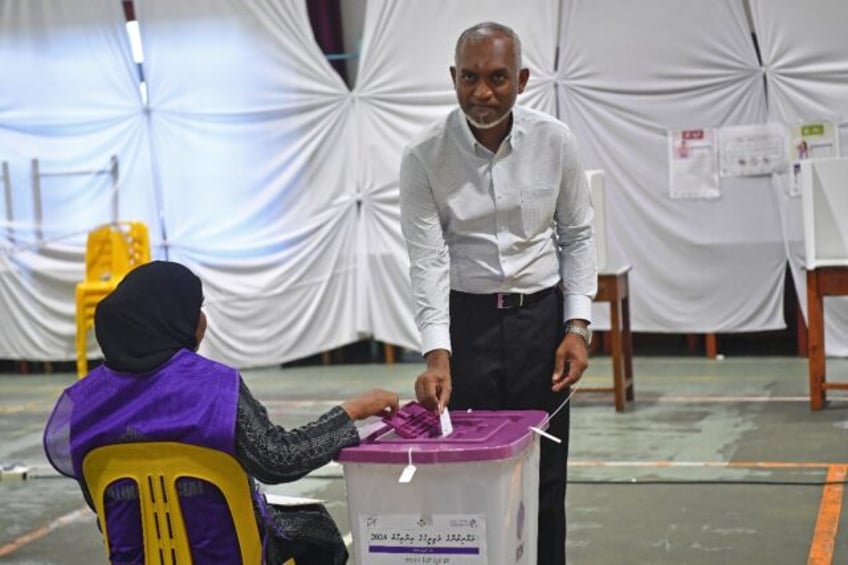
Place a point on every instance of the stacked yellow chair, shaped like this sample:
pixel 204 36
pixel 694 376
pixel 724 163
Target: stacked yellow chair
pixel 111 251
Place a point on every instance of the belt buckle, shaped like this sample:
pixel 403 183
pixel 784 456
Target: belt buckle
pixel 504 301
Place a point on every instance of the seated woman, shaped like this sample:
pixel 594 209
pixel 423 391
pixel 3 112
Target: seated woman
pixel 154 387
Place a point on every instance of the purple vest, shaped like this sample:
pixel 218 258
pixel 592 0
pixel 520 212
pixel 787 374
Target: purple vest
pixel 189 399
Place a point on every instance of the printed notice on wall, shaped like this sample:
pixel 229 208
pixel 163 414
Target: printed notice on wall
pixel 693 164
pixel 810 141
pixel 814 140
pixel 415 539
pixel 752 150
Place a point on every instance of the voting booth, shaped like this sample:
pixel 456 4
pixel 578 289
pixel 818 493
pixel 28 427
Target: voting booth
pixel 470 498
pixel 824 201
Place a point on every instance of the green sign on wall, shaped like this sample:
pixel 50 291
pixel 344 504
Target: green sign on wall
pixel 812 129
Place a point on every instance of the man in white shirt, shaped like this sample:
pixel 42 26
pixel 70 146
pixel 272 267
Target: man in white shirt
pixel 497 216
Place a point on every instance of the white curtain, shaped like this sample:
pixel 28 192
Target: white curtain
pixel 251 140
pixel 256 166
pixel 805 56
pixel 69 99
pixel 625 79
pixel 404 84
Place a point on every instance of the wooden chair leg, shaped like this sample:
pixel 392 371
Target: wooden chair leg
pixel 627 347
pixel 617 357
pixel 711 345
pixel 815 321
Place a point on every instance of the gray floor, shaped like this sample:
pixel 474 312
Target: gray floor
pixel 715 462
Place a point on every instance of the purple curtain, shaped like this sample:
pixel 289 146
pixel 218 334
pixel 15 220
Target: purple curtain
pixel 326 19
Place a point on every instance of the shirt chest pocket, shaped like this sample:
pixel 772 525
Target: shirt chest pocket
pixel 538 205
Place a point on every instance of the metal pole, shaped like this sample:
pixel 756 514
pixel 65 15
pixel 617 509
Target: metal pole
pixel 7 188
pixel 36 200
pixel 114 171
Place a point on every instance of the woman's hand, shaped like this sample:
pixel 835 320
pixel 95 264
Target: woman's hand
pixel 376 402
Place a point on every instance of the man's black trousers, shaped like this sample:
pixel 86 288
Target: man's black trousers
pixel 503 359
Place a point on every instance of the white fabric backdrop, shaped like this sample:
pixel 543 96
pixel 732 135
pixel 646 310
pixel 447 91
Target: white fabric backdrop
pixel 252 145
pixel 257 167
pixel 698 266
pixel 68 98
pixel 404 84
pixel 805 56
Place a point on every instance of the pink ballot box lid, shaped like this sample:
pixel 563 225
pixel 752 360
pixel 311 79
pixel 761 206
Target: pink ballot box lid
pixel 481 435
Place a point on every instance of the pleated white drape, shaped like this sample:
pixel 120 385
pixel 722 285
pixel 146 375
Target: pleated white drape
pixel 256 166
pixel 252 144
pixel 404 84
pixel 705 265
pixel 805 60
pixel 68 97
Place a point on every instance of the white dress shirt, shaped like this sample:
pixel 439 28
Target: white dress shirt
pixel 519 220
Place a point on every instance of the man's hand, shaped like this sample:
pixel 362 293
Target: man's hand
pixel 433 386
pixel 377 402
pixel 572 358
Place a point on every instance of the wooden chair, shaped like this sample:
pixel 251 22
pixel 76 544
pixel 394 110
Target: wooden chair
pixel 111 251
pixel 614 287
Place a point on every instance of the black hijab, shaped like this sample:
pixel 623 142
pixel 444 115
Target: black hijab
pixel 151 314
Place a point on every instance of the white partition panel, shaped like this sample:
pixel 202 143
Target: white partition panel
pixel 824 198
pixel 595 177
pixel 404 84
pixel 805 56
pixel 625 79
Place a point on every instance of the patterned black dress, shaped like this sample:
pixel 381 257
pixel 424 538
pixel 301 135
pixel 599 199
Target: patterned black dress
pixel 274 455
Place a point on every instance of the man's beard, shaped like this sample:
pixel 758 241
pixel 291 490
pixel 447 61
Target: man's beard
pixel 488 125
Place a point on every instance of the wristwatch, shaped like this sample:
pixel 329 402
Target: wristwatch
pixel 585 333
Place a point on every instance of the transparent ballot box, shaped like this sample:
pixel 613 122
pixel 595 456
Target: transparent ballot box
pixel 471 497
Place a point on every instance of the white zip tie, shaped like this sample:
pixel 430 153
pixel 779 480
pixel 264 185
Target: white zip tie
pixel 550 416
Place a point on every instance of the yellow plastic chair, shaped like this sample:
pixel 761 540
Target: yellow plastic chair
pixel 155 467
pixel 111 251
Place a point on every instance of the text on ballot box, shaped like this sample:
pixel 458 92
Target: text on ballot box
pixel 473 497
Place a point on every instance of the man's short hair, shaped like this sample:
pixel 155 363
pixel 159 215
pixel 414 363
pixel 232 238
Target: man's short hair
pixel 484 29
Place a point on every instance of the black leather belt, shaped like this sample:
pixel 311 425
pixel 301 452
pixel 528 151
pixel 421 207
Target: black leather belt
pixel 504 300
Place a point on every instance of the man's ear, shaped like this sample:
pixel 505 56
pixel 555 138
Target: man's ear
pixel 523 77
pixel 453 75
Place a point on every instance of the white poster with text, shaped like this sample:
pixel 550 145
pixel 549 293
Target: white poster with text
pixel 693 164
pixel 811 141
pixel 753 150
